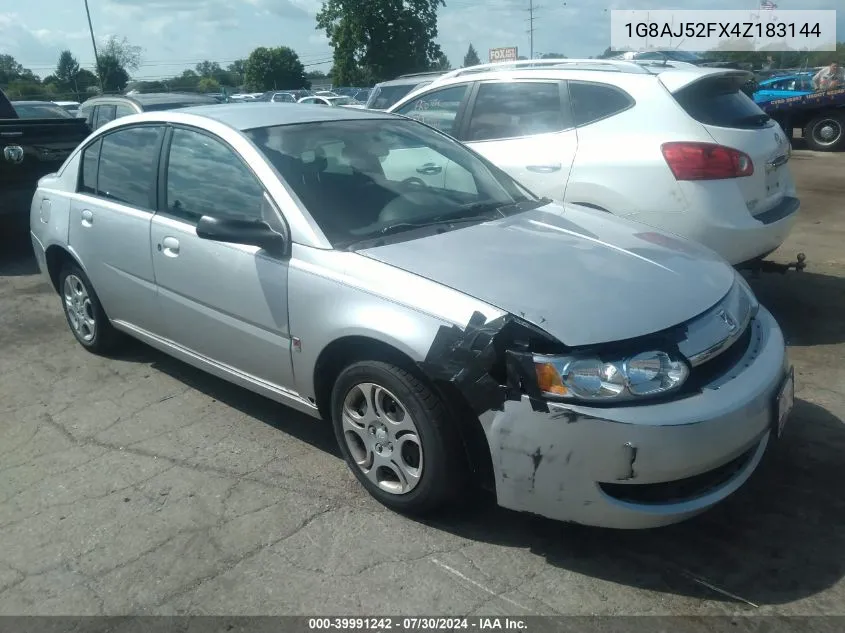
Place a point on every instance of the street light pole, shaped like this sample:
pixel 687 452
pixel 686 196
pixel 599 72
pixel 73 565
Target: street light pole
pixel 94 44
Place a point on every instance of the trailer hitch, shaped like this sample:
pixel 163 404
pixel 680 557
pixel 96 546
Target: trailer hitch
pixel 765 266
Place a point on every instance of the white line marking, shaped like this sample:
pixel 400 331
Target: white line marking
pixel 476 584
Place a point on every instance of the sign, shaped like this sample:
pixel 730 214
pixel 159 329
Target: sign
pixel 508 54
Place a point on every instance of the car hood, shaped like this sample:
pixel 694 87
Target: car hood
pixel 582 275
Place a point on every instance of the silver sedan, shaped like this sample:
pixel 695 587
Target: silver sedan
pixel 369 270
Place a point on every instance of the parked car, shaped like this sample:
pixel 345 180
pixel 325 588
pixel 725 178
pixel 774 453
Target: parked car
pixel 332 101
pixel 790 85
pixel 587 368
pixel 101 110
pixel 35 139
pixel 278 97
pixel 386 93
pixel 682 149
pixel 326 93
pixel 40 110
pixel 71 106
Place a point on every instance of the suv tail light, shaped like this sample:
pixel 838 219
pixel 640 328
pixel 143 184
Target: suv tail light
pixel 706 161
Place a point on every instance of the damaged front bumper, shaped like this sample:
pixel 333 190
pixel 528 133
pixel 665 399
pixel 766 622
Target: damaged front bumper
pixel 645 465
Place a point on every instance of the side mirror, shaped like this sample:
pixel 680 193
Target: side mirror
pixel 251 232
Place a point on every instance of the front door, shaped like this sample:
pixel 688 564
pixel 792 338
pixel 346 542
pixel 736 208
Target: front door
pixel 225 302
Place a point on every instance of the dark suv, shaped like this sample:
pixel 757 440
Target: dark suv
pixel 100 110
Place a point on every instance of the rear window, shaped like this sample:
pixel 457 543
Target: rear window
pixel 722 103
pixel 382 97
pixel 41 111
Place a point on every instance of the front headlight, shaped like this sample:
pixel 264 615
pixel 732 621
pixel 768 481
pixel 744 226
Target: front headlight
pixel 643 375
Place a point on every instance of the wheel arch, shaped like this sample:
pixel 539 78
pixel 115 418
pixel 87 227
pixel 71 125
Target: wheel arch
pixel 56 257
pixel 343 351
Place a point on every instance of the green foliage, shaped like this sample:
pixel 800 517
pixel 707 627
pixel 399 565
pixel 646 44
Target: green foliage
pixel 112 73
pixel 67 70
pixel 127 56
pixel 275 69
pixel 442 63
pixel 374 40
pixel 208 84
pixel 552 56
pixel 24 89
pixel 11 70
pixel 471 58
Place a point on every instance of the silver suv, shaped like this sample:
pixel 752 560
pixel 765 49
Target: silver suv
pixel 584 367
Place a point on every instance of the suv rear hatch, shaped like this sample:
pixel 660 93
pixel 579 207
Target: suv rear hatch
pixel 731 118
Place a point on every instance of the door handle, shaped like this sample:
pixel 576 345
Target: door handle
pixel 429 169
pixel 543 169
pixel 170 246
pixel 87 217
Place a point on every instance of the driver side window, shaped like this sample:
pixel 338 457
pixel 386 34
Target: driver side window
pixel 438 108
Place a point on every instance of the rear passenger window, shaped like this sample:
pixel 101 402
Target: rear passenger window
pixel 438 108
pixel 508 110
pixel 205 177
pixel 88 173
pixel 592 102
pixel 123 110
pixel 105 114
pixel 128 161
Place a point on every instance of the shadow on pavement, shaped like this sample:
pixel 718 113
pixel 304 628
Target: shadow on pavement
pixel 777 540
pixel 16 256
pixel 808 306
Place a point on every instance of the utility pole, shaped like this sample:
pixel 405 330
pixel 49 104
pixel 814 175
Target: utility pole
pixel 532 8
pixel 94 44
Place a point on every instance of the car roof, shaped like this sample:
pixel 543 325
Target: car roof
pixel 245 116
pixel 31 102
pixel 414 79
pixel 158 98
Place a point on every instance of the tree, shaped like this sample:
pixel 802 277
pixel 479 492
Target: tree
pixel 128 57
pixel 471 58
pixel 442 62
pixel 112 73
pixel 275 69
pixel 208 84
pixel 67 70
pixel 10 70
pixel 85 80
pixel 552 56
pixel 380 39
pixel 187 81
pixel 209 69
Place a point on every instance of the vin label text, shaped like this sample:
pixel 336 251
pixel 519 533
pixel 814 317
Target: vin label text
pixel 712 30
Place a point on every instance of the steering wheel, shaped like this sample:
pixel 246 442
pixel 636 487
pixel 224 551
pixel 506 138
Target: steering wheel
pixel 414 183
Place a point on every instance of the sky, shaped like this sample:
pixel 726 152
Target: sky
pixel 177 34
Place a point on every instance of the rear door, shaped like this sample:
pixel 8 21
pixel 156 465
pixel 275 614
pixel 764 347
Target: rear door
pixel 526 129
pixel 732 119
pixel 110 217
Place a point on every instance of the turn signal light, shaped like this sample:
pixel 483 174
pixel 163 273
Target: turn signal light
pixel 706 161
pixel 548 379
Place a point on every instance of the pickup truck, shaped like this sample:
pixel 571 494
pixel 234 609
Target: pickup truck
pixel 29 149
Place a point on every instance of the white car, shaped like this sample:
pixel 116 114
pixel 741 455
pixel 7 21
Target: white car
pixel 677 147
pixel 337 101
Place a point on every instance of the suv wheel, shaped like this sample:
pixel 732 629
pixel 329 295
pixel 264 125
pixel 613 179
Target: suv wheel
pixel 397 437
pixel 84 314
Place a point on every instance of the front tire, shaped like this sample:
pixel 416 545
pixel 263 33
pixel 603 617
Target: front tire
pixel 83 312
pixel 397 437
pixel 826 133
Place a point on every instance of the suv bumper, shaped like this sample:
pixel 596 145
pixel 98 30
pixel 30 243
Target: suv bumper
pixel 641 466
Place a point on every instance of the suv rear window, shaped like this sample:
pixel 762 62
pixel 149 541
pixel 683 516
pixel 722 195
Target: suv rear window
pixel 382 97
pixel 721 102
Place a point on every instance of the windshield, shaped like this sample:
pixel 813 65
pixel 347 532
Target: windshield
pixel 382 97
pixel 339 101
pixel 366 178
pixel 41 111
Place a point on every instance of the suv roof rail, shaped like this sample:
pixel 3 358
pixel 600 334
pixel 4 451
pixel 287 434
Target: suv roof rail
pixel 427 73
pixel 580 64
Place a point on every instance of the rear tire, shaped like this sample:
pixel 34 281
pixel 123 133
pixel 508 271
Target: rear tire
pixel 826 133
pixel 397 437
pixel 83 312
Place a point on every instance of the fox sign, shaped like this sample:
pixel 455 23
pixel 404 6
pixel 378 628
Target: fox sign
pixel 508 54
